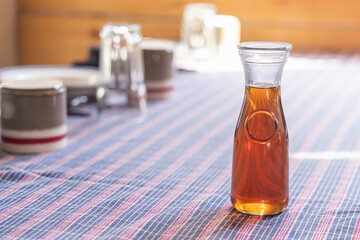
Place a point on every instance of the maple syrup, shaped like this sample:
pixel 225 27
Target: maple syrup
pixel 260 161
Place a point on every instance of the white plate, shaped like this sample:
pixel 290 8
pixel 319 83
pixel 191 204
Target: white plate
pixel 78 81
pixel 71 76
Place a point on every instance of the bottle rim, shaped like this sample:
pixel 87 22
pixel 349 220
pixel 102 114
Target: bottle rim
pixel 265 46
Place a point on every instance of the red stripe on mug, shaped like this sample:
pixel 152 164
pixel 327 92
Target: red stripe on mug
pixel 32 140
pixel 160 90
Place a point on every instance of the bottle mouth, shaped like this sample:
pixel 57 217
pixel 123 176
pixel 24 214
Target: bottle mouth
pixel 265 46
pixel 264 52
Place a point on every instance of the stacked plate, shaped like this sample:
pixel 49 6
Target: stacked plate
pixel 78 81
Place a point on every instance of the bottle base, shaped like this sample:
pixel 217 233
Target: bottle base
pixel 259 208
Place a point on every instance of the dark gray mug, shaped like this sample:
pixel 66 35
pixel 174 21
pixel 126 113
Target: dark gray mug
pixel 33 116
pixel 158 61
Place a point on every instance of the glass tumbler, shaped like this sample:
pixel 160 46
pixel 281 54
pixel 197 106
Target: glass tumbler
pixel 197 32
pixel 121 64
pixel 260 174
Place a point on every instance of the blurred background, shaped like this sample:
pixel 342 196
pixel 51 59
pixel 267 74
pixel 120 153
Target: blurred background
pixel 62 32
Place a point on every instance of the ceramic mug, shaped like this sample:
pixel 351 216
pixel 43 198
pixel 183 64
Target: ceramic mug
pixel 158 61
pixel 33 116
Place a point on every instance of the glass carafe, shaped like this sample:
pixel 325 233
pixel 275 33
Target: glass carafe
pixel 260 174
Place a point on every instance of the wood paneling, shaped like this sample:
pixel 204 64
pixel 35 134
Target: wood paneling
pixel 65 40
pixel 53 31
pixel 8 43
pixel 313 10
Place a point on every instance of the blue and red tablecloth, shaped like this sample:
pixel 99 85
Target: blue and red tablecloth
pixel 169 177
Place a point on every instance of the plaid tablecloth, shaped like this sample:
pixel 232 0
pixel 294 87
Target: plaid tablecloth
pixel 169 177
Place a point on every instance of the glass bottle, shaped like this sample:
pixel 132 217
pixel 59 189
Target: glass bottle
pixel 260 174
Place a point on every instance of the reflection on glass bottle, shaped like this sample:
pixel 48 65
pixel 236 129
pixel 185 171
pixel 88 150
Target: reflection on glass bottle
pixel 260 178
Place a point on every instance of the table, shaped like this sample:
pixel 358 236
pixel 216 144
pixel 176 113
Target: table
pixel 169 177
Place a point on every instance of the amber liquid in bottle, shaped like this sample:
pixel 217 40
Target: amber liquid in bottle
pixel 260 175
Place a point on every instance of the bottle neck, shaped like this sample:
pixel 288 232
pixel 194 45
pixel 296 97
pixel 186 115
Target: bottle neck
pixel 259 94
pixel 263 75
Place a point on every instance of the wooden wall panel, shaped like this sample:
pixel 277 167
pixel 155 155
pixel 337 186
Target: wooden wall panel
pixel 309 24
pixel 322 40
pixel 314 10
pixel 65 40
pixel 8 42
